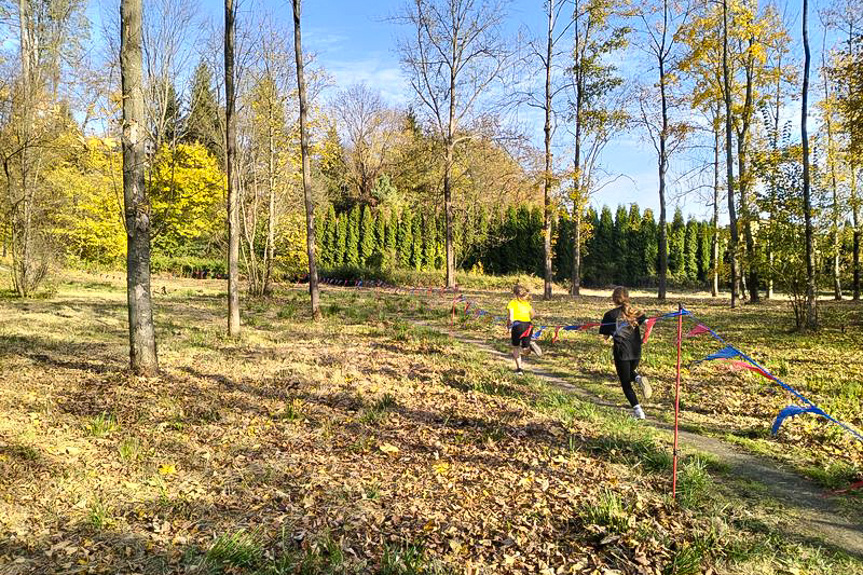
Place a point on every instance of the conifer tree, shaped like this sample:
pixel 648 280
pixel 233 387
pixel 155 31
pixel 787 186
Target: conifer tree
pixel 367 235
pixel 440 242
pixel 341 240
pixel 590 264
pixel 691 250
pixel 705 236
pixel 634 258
pixel 405 238
pixel 676 246
pixel 650 238
pixel 537 242
pixel 430 242
pixel 563 247
pixel 202 123
pixel 391 255
pixel 416 261
pixel 523 240
pixel 325 238
pixel 352 248
pixel 380 243
pixel 620 246
pixel 604 247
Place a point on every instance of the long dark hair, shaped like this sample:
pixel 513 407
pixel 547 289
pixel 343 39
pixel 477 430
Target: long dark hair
pixel 620 296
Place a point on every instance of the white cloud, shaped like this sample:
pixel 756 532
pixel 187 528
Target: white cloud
pixel 376 72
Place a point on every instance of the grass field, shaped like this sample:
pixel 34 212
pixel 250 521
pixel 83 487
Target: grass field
pixel 826 367
pixel 367 444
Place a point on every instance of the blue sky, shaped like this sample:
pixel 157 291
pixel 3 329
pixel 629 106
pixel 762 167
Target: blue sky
pixel 355 42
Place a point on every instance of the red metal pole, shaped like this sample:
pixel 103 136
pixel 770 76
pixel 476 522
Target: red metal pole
pixel 677 402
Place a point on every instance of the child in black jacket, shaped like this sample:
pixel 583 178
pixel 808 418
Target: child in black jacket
pixel 621 324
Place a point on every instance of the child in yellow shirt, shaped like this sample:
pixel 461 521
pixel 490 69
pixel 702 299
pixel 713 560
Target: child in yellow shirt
pixel 520 318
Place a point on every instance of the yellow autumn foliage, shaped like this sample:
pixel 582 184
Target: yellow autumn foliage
pixel 186 189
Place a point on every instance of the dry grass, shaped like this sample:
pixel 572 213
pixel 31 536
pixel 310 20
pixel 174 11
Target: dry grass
pixel 359 444
pixel 826 366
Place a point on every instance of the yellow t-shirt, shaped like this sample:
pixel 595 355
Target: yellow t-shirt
pixel 521 309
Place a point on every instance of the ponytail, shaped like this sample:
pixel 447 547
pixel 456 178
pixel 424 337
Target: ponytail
pixel 620 296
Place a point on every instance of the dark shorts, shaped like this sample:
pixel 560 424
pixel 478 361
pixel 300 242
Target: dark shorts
pixel 520 333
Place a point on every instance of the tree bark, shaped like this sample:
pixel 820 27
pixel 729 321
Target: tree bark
pixel 811 303
pixel 729 160
pixel 314 293
pixel 744 180
pixel 270 248
pixel 231 155
pixel 663 169
pixel 142 337
pixel 447 176
pixel 23 266
pixel 575 289
pixel 855 221
pixel 546 229
pixel 576 252
pixel 714 290
pixel 834 185
pixel 447 198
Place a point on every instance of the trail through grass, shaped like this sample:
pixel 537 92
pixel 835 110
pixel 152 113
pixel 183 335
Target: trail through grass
pixel 359 444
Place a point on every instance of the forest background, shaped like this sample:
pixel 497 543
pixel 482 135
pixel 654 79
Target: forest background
pixel 613 70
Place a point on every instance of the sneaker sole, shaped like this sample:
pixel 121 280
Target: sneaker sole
pixel 646 390
pixel 536 349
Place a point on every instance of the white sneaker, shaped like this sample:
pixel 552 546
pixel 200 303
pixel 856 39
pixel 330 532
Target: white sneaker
pixel 536 349
pixel 638 413
pixel 646 390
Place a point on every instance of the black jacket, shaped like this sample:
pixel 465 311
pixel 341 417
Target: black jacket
pixel 627 339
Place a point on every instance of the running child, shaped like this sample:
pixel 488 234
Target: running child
pixel 621 324
pixel 520 324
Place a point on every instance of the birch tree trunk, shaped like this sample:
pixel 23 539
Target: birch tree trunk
pixel 142 337
pixel 307 175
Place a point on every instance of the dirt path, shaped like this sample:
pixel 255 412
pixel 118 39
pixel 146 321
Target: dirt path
pixel 814 515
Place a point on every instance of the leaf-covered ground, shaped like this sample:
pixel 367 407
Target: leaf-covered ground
pixel 361 444
pixel 826 367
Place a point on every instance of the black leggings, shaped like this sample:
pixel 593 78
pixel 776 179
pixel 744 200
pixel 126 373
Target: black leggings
pixel 626 371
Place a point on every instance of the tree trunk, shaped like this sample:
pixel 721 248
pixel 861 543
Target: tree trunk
pixel 834 186
pixel 307 170
pixel 744 180
pixel 855 221
pixel 546 229
pixel 729 160
pixel 575 288
pixel 663 169
pixel 447 198
pixel 714 289
pixel 811 303
pixel 23 266
pixel 231 155
pixel 142 336
pixel 270 248
pixel 777 108
pixel 576 252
